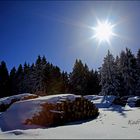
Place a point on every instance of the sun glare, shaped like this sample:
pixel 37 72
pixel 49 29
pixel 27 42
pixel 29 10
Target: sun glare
pixel 103 31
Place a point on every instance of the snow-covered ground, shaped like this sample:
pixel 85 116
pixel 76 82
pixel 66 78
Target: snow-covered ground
pixel 113 122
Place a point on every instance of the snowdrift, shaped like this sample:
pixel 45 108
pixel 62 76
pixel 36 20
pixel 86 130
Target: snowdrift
pixel 134 101
pixel 47 111
pixel 101 101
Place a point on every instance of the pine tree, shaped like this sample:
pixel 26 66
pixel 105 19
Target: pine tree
pixel 39 85
pixel 53 79
pixel 19 80
pixel 65 82
pixel 26 79
pixel 127 68
pixel 93 83
pixel 138 74
pixel 79 78
pixel 4 80
pixel 137 92
pixel 119 77
pixel 109 81
pixel 13 81
pixel 32 78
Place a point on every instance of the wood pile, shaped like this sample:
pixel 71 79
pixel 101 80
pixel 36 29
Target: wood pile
pixel 63 112
pixel 33 96
pixel 5 106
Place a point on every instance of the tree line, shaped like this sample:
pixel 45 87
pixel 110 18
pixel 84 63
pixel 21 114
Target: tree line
pixel 118 76
pixel 43 78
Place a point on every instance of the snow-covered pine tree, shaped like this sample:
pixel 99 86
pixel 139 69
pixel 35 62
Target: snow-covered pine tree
pixel 127 68
pixel 31 77
pixel 26 80
pixel 109 81
pixel 39 86
pixel 119 77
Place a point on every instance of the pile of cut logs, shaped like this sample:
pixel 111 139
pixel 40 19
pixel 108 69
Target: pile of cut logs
pixel 5 106
pixel 63 112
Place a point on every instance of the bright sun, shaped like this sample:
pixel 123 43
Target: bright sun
pixel 103 31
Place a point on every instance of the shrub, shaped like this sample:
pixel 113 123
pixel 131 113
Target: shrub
pixel 119 101
pixel 137 103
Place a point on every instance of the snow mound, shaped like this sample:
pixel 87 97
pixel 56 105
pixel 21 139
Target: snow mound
pixel 101 101
pixel 132 101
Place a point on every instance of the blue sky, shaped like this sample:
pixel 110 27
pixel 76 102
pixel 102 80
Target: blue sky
pixel 60 31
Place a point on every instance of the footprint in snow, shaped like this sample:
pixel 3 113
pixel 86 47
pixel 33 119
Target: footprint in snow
pixel 124 127
pixel 17 132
